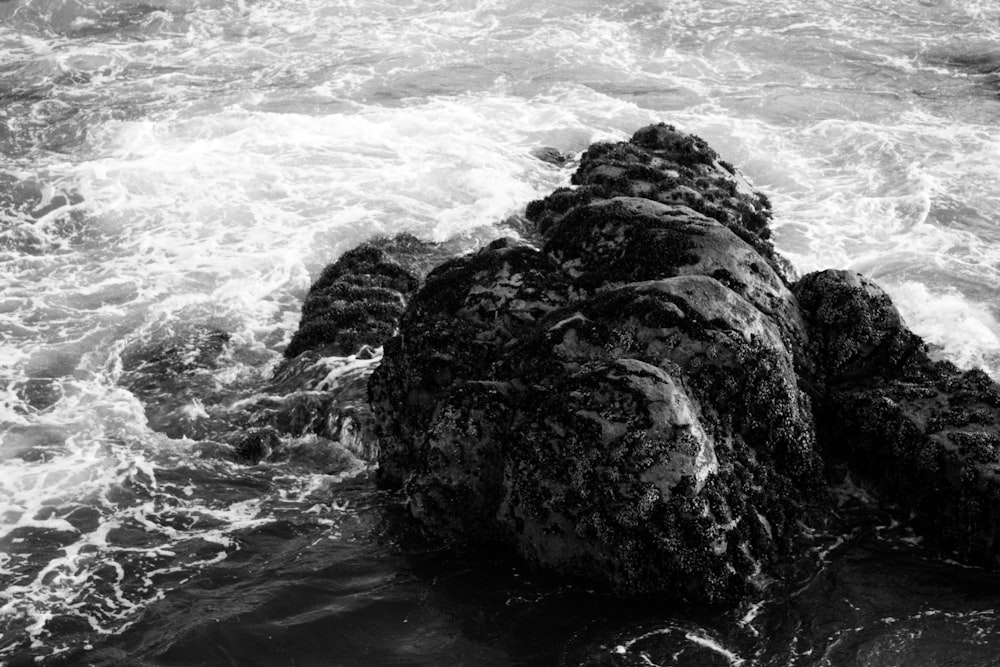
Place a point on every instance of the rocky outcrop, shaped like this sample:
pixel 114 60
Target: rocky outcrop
pixel 923 435
pixel 639 396
pixel 620 404
pixel 318 392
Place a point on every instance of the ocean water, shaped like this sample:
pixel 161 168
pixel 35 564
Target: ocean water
pixel 174 173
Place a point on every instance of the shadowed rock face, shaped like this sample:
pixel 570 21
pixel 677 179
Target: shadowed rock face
pixel 924 435
pixel 469 314
pixel 624 399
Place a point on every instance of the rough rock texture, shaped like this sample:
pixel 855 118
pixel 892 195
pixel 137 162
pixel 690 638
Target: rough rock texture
pixel 471 310
pixel 666 165
pixel 855 330
pixel 622 404
pixel 638 396
pixel 358 299
pixel 629 239
pixel 922 434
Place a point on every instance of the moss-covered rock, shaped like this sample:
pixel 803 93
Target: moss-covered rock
pixel 927 440
pixel 641 400
pixel 466 317
pixel 628 239
pixel 461 464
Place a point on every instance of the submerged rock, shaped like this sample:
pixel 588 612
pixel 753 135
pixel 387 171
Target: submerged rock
pixel 173 374
pixel 640 397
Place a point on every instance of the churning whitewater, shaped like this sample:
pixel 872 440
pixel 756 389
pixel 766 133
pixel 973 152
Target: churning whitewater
pixel 173 175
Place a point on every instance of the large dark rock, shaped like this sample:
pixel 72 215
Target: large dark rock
pixel 622 404
pixel 629 239
pixel 659 442
pixel 639 396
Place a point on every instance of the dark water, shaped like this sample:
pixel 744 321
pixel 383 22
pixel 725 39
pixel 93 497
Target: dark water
pixel 297 598
pixel 174 174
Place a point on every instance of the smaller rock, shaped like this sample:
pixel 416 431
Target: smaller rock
pixel 855 330
pixel 357 301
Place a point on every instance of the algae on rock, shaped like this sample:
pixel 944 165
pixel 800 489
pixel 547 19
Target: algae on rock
pixel 639 396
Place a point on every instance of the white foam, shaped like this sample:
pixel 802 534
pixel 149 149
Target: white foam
pixel 699 638
pixel 967 332
pixel 709 643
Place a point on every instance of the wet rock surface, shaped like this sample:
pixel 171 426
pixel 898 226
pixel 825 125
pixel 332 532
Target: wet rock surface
pixel 640 396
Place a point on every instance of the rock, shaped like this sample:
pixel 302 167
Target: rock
pixel 928 442
pixel 320 389
pixel 729 355
pixel 461 322
pixel 256 444
pixel 173 375
pixel 356 302
pixel 462 464
pixel 621 405
pixel 671 167
pixel 855 330
pixel 628 239
pixel 639 396
pixel 643 458
pixel 551 156
pixel 358 299
pixel 922 435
